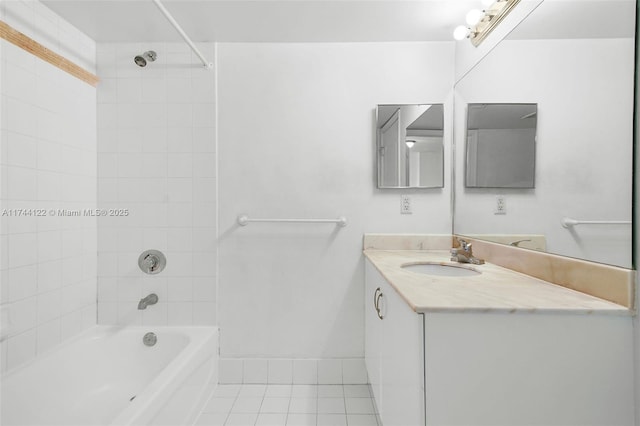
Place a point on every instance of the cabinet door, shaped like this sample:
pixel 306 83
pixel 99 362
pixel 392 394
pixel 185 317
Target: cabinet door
pixel 401 362
pixel 373 328
pixel 394 354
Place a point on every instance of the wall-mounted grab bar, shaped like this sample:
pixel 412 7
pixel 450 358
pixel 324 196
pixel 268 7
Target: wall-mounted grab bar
pixel 208 65
pixel 243 220
pixel 568 222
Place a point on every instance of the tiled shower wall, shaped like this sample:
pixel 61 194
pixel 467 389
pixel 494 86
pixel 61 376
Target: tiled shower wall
pixel 157 166
pixel 48 162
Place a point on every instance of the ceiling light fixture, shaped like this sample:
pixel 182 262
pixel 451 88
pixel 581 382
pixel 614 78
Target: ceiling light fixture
pixel 410 143
pixel 481 23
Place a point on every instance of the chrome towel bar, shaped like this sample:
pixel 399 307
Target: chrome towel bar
pixel 243 220
pixel 568 222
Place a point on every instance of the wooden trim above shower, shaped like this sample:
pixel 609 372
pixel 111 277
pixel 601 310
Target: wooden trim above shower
pixel 28 44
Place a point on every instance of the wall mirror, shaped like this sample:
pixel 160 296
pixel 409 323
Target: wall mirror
pixel 580 73
pixel 501 145
pixel 410 149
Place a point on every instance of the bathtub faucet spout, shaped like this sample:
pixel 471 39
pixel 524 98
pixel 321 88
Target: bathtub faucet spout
pixel 151 299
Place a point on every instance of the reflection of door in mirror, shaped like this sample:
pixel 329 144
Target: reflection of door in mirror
pixel 410 146
pixel 390 138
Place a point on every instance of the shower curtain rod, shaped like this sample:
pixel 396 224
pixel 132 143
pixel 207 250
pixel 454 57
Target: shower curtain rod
pixel 208 65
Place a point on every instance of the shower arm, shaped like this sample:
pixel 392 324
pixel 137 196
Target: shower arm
pixel 208 65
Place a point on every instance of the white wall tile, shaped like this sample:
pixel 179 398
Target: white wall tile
pixel 24 315
pixel 305 371
pixel 180 313
pixel 21 348
pixel 280 371
pixel 204 313
pixel 157 314
pixel 204 289
pixel 155 151
pixel 22 282
pixel 255 371
pixel 231 371
pixel 22 150
pixel 180 289
pixel 48 335
pixel 329 371
pixel 354 371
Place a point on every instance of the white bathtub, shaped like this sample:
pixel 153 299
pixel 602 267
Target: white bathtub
pixel 107 376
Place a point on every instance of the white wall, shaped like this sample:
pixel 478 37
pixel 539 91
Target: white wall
pixel 156 142
pixel 583 154
pixel 296 139
pixel 48 162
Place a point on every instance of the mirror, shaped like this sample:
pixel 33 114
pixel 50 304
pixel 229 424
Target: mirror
pixel 501 145
pixel 410 146
pixel 580 73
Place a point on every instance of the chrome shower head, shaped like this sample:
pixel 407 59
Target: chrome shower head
pixel 141 60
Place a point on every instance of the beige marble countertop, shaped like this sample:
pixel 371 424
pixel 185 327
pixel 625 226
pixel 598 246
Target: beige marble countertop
pixel 496 289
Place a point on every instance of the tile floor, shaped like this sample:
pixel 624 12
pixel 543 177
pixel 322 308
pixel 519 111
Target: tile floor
pixel 289 405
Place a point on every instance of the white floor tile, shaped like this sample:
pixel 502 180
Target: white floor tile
pixel 359 405
pixel 332 420
pixel 278 391
pixel 219 405
pixel 272 419
pixel 304 391
pixel 252 390
pixel 303 405
pixel 241 419
pixel 361 420
pixel 331 406
pixel 226 391
pixel 289 405
pixel 357 391
pixel 330 391
pixel 247 405
pixel 211 419
pixel 301 419
pixel 275 405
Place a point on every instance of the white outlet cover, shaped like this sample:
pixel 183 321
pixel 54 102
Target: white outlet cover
pixel 405 204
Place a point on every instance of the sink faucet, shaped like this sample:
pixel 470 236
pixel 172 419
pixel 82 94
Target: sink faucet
pixel 464 254
pixel 151 299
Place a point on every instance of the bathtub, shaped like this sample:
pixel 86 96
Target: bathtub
pixel 107 376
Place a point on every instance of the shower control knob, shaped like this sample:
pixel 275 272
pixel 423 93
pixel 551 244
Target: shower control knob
pixel 152 262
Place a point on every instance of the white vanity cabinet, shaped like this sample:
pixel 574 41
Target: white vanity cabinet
pixel 470 367
pixel 393 353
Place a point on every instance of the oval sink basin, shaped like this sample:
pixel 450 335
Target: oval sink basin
pixel 441 270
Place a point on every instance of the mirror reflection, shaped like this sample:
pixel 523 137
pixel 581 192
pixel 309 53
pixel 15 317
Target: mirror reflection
pixel 580 73
pixel 410 146
pixel 501 145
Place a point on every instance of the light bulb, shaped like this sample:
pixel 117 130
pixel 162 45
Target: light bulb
pixel 460 32
pixel 410 143
pixel 474 16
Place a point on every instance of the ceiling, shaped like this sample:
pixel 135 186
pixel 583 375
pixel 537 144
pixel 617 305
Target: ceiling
pixel 331 20
pixel 573 19
pixel 267 20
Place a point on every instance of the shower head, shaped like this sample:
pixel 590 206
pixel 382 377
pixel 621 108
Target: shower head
pixel 141 60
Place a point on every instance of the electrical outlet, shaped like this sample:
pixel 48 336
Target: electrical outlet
pixel 501 205
pixel 405 204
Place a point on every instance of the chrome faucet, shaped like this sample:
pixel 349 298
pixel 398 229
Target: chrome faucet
pixel 151 299
pixel 464 254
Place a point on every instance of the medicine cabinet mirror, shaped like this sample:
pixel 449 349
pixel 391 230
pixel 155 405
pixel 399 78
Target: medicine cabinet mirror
pixel 579 73
pixel 410 150
pixel 501 145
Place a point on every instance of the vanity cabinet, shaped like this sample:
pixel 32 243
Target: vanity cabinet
pixel 393 353
pixel 464 366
